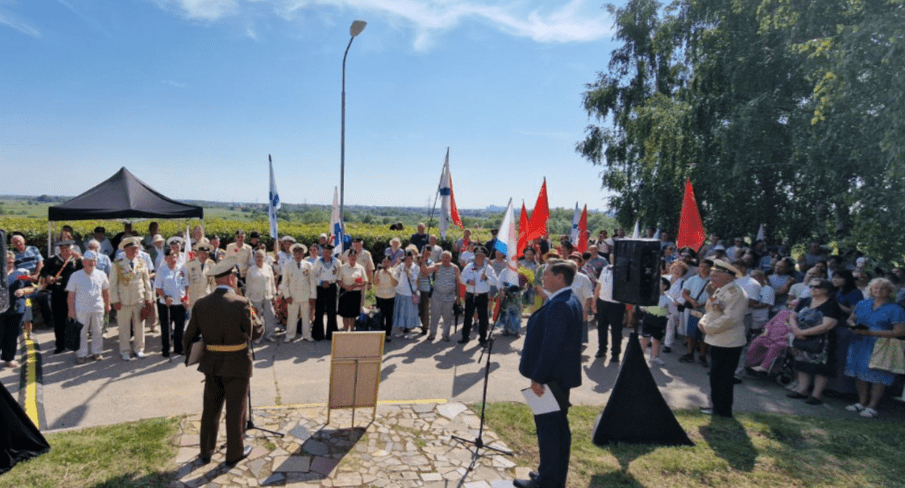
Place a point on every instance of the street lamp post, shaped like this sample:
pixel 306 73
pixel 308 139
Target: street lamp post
pixel 357 27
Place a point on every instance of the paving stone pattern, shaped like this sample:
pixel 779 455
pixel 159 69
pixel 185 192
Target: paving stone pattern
pixel 405 446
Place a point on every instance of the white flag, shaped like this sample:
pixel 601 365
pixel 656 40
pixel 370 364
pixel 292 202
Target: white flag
pixel 336 225
pixel 761 236
pixel 573 234
pixel 507 243
pixel 636 234
pixel 448 211
pixel 274 203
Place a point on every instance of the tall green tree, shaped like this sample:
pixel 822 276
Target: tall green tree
pixel 783 112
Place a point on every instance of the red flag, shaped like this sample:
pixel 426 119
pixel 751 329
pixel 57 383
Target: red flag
pixel 582 245
pixel 522 230
pixel 691 228
pixel 453 209
pixel 537 227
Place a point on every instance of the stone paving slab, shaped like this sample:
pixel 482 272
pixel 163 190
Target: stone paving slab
pixel 405 446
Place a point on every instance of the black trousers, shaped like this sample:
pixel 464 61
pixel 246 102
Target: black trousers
pixel 10 328
pixel 386 305
pixel 554 440
pixel 472 302
pixel 60 311
pixel 326 303
pixel 609 326
pixel 723 361
pixel 172 320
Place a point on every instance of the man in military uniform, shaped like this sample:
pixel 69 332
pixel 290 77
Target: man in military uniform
pixel 56 273
pixel 223 320
pixel 130 291
pixel 724 326
pixel 299 287
pixel 200 285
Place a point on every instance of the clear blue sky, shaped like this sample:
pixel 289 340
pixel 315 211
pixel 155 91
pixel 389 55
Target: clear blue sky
pixel 192 95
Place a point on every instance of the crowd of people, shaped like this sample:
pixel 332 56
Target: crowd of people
pixel 823 310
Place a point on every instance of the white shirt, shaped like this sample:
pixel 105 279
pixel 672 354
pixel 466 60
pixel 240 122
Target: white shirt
pixel 696 288
pixel 606 285
pixel 326 272
pixel 260 284
pixel 88 289
pixel 483 278
pixel 172 282
pixel 407 281
pixel 751 287
pixel 582 288
pixel 768 296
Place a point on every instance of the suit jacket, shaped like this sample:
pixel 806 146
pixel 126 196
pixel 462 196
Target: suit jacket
pixel 552 350
pixel 128 285
pixel 223 318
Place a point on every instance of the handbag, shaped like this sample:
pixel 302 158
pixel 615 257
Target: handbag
pixel 812 345
pixel 73 334
pixel 888 355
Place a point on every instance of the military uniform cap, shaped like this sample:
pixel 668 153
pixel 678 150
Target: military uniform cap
pixel 720 265
pixel 204 245
pixel 299 246
pixel 226 266
pixel 130 241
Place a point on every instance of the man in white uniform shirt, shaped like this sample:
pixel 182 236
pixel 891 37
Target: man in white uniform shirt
pixel 478 277
pixel 326 272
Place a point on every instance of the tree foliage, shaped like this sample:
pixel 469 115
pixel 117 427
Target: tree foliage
pixel 788 113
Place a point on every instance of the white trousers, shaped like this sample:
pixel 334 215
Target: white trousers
pixel 95 322
pixel 299 307
pixel 270 320
pixel 129 319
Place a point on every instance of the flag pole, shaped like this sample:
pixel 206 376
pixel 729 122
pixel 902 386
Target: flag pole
pixel 430 221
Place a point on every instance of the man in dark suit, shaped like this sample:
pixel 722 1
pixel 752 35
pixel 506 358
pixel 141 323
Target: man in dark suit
pixel 551 359
pixel 223 319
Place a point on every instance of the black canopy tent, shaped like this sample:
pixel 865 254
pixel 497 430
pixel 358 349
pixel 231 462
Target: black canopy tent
pixel 122 196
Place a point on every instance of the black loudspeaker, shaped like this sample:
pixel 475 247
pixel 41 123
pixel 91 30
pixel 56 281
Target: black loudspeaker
pixel 4 283
pixel 636 271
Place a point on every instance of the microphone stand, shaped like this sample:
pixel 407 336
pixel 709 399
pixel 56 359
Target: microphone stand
pixel 250 423
pixel 478 442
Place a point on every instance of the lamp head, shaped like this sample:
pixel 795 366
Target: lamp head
pixel 357 27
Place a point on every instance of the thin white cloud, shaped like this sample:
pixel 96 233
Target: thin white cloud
pixel 201 10
pixel 18 24
pixel 174 83
pixel 575 21
pixel 89 20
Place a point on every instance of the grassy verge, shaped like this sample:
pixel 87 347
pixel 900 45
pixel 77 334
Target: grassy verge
pixel 128 455
pixel 752 450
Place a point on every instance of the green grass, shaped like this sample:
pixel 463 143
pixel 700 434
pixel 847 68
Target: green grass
pixel 752 450
pixel 24 208
pixel 134 454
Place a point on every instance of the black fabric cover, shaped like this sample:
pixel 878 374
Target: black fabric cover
pixel 636 412
pixel 122 196
pixel 20 440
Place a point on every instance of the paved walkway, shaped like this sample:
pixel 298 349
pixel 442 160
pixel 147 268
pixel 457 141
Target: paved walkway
pixel 406 446
pixel 113 391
